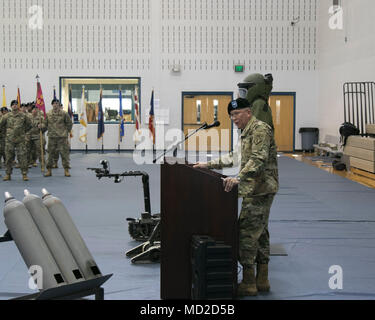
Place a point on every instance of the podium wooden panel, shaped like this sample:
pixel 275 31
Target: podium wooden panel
pixel 193 201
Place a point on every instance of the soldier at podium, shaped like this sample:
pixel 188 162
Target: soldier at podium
pixel 258 183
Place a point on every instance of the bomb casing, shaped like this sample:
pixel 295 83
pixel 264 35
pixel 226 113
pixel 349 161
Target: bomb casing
pixel 31 244
pixel 53 238
pixel 71 235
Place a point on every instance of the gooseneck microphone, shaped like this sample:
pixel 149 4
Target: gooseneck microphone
pixel 175 146
pixel 215 124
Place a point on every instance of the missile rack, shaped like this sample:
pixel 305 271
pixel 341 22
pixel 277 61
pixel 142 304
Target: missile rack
pixel 71 291
pixel 6 237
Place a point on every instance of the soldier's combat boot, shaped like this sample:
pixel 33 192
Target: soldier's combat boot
pixel 25 177
pixel 48 173
pixel 248 285
pixel 7 177
pixel 262 281
pixel 66 171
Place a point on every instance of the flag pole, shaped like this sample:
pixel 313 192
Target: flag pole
pixel 119 135
pixel 136 117
pixel 70 133
pixel 119 132
pixel 4 98
pixel 102 115
pixel 84 105
pixel 154 125
pixel 119 126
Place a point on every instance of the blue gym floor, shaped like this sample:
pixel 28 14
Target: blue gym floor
pixel 318 218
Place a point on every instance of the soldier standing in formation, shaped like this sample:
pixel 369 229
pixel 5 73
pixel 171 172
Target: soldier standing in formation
pixel 258 183
pixel 37 121
pixel 3 112
pixel 55 161
pixel 25 110
pixel 59 125
pixel 16 125
pixel 30 107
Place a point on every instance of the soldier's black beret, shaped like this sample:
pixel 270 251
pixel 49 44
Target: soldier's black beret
pixel 239 103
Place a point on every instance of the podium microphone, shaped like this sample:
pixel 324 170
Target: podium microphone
pixel 215 124
pixel 174 147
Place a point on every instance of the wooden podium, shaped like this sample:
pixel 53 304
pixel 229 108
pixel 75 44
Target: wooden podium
pixel 193 202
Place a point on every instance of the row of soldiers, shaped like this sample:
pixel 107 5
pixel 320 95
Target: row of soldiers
pixel 22 133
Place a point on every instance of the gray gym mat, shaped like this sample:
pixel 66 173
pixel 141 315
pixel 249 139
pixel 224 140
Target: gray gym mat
pixel 318 219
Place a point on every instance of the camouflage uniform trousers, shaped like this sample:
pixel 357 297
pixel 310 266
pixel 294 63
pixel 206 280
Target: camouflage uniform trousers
pixel 11 150
pixel 56 160
pixel 254 239
pixel 2 150
pixel 35 150
pixel 28 148
pixel 58 146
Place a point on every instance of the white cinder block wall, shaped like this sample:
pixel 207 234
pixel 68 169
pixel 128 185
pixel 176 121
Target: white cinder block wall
pixel 144 38
pixel 345 55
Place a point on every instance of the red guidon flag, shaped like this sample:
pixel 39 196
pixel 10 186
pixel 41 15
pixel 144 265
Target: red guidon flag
pixel 39 99
pixel 137 118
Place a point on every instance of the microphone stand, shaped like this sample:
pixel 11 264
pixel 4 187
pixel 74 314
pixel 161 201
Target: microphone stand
pixel 174 147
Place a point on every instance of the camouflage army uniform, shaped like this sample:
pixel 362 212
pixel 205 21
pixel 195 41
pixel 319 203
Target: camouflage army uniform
pixel 58 124
pixel 16 126
pixel 2 142
pixel 36 154
pixel 28 140
pixel 258 185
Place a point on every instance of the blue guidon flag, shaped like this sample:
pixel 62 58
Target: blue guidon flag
pixel 122 131
pixel 100 117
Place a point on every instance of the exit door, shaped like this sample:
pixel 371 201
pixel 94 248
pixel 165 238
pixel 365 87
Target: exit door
pixel 283 110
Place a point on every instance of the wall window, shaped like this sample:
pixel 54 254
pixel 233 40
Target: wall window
pixel 110 97
pixel 199 105
pixel 216 109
